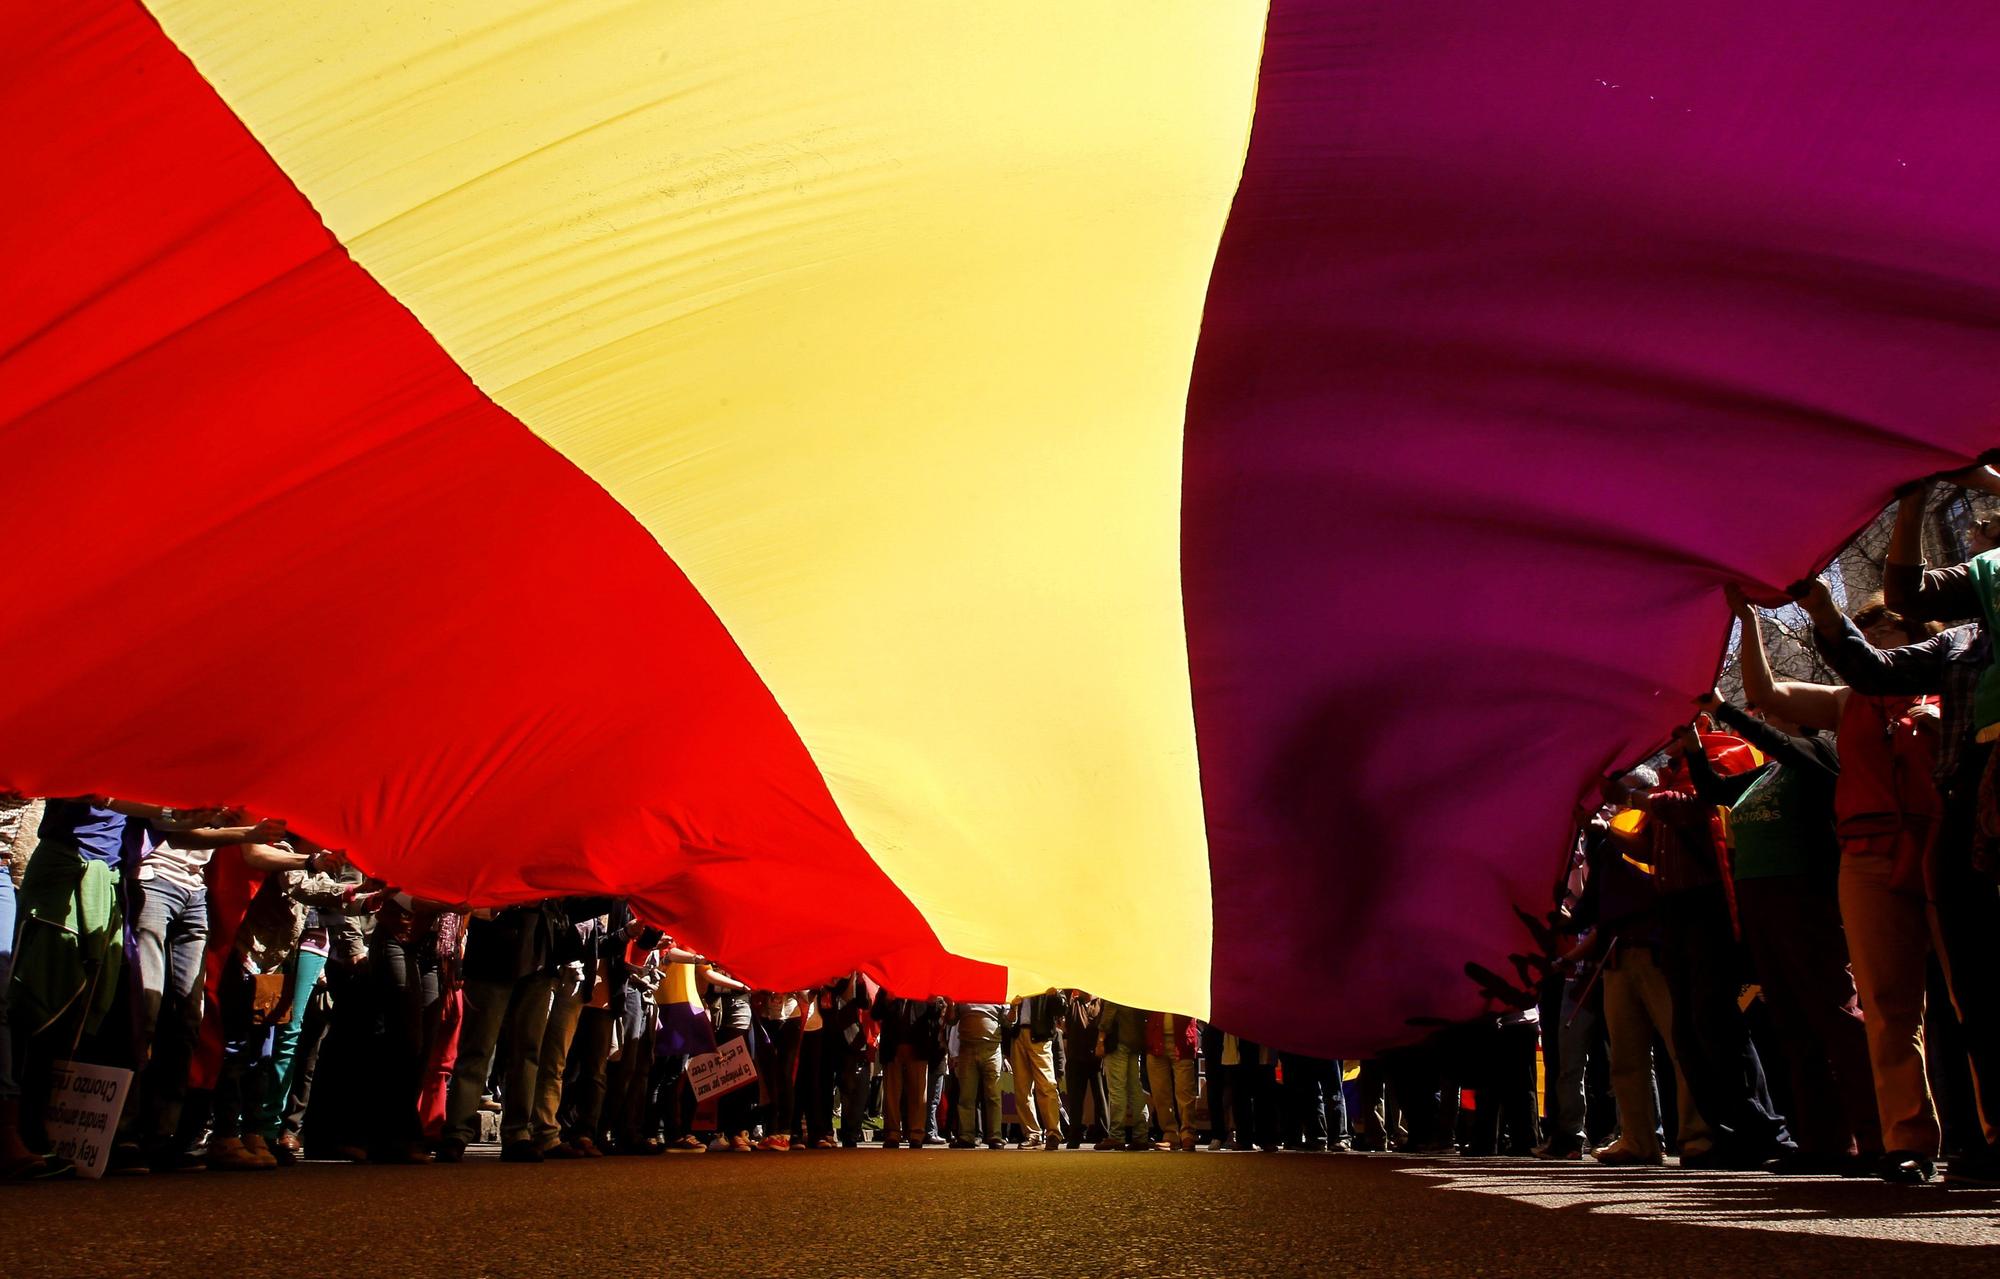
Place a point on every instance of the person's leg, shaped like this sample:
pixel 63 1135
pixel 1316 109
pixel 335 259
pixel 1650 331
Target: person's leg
pixel 1625 1015
pixel 1048 1098
pixel 989 1085
pixel 478 1032
pixel 894 1104
pixel 527 1021
pixel 965 1073
pixel 305 1065
pixel 1710 1039
pixel 1888 938
pixel 855 1074
pixel 1024 1089
pixel 572 988
pixel 269 1118
pixel 1789 943
pixel 936 1078
pixel 1968 938
pixel 1573 1034
pixel 1336 1102
pixel 592 1050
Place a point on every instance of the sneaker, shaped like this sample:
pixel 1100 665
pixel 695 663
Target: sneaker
pixel 688 1145
pixel 721 1146
pixel 829 1143
pixel 740 1144
pixel 1907 1168
pixel 1620 1155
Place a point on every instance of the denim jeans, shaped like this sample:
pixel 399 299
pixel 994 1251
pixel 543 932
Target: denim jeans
pixel 171 934
pixel 8 1088
pixel 269 1116
pixel 1575 1033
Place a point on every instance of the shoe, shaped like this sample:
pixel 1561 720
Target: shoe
pixel 1376 1145
pixel 688 1145
pixel 1907 1168
pixel 1162 1144
pixel 227 1154
pixel 1109 1143
pixel 996 1144
pixel 288 1149
pixel 721 1146
pixel 520 1152
pixel 740 1144
pixel 586 1147
pixel 893 1143
pixel 561 1150
pixel 830 1143
pixel 960 1143
pixel 1982 1169
pixel 1618 1155
pixel 1074 1143
pixel 491 1103
pixel 1564 1151
pixel 254 1143
pixel 1216 1144
pixel 1052 1142
pixel 127 1158
pixel 414 1153
pixel 778 1142
pixel 1139 1146
pixel 449 1152
pixel 1734 1158
pixel 921 1142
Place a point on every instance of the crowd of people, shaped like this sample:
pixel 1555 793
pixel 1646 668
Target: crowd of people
pixel 1796 883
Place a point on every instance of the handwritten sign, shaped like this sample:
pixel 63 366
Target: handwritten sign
pixel 730 1068
pixel 84 1104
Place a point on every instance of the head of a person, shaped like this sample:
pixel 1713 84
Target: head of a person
pixel 1884 627
pixel 1985 533
pixel 1641 780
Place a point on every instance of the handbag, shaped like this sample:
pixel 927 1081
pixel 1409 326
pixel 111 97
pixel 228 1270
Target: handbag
pixel 268 1004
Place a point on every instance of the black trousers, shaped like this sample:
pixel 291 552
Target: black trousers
pixel 1711 1037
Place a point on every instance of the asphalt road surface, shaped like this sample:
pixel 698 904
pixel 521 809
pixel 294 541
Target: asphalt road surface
pixel 880 1214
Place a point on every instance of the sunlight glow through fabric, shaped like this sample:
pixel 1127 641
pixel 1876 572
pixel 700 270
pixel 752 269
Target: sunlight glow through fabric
pixel 1179 500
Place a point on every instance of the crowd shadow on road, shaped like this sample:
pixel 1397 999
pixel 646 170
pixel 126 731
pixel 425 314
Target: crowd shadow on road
pixel 1836 1206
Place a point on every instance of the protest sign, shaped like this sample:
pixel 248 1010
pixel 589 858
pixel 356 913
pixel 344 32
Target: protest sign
pixel 84 1104
pixel 726 1070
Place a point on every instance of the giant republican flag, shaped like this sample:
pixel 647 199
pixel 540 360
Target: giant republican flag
pixel 1175 498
